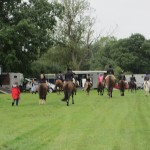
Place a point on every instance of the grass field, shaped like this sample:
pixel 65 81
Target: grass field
pixel 92 123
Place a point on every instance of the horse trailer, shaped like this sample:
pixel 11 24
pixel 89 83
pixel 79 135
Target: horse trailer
pixel 8 79
pixel 93 75
pixel 139 79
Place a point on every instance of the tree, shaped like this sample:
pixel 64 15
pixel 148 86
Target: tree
pixel 28 33
pixel 74 34
pixel 132 53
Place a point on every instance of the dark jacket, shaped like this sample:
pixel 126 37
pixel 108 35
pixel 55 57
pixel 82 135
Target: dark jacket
pixel 146 78
pixel 69 76
pixel 42 80
pixel 110 71
pixel 59 76
pixel 122 77
pixel 132 79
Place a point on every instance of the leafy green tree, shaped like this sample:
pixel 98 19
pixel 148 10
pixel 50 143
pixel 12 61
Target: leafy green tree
pixel 74 34
pixel 132 53
pixel 28 32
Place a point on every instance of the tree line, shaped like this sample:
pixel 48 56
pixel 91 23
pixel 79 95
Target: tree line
pixel 49 36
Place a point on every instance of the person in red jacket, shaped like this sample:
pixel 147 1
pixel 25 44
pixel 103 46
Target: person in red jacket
pixel 15 92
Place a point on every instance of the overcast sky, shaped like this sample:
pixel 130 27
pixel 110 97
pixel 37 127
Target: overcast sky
pixel 123 16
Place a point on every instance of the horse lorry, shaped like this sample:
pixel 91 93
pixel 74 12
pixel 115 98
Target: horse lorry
pixel 93 75
pixel 80 76
pixel 139 79
pixel 8 79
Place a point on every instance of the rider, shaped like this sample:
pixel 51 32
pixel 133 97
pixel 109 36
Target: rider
pixel 101 78
pixel 68 77
pixel 122 76
pixel 59 76
pixel 146 78
pixel 110 71
pixel 132 79
pixel 42 78
pixel 88 78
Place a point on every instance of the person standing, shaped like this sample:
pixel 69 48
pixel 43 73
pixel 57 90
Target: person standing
pixel 33 88
pixel 15 92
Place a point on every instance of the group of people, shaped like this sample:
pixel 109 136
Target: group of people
pixel 69 76
pixel 110 71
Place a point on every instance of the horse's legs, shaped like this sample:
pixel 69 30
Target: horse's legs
pixel 67 102
pixel 103 91
pixel 72 97
pixel 111 94
pixel 68 98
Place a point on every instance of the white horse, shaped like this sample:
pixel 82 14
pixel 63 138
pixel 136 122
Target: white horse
pixel 146 87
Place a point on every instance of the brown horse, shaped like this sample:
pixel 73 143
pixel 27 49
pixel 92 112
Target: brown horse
pixel 58 86
pixel 110 83
pixel 42 89
pixel 100 88
pixel 68 88
pixel 122 86
pixel 87 87
pixel 132 86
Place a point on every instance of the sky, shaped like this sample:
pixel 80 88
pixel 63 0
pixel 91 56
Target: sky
pixel 121 18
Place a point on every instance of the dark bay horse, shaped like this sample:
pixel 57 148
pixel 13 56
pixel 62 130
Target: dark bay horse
pixel 58 86
pixel 110 83
pixel 42 89
pixel 68 88
pixel 100 88
pixel 87 87
pixel 122 86
pixel 132 86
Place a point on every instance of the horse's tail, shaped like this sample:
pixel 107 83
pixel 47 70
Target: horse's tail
pixel 88 86
pixel 66 91
pixel 41 90
pixel 121 84
pixel 110 83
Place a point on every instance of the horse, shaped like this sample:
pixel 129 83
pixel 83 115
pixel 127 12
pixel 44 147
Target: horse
pixel 146 87
pixel 110 83
pixel 42 89
pixel 100 88
pixel 122 86
pixel 58 86
pixel 68 88
pixel 87 87
pixel 132 86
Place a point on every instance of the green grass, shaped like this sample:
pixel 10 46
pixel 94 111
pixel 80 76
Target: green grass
pixel 92 123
